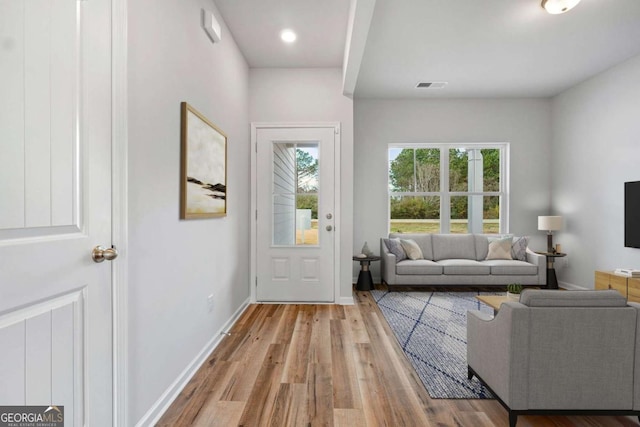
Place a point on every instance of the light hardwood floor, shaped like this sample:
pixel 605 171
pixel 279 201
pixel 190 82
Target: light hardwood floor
pixel 327 365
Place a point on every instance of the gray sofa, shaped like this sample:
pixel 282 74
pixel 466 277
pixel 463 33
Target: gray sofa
pixel 458 259
pixel 555 352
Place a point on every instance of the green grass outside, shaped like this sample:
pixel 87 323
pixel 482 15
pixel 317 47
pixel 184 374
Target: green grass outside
pixel 434 227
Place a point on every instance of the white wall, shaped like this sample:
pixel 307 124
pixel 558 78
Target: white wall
pixel 312 95
pixel 596 148
pixel 174 264
pixel 524 123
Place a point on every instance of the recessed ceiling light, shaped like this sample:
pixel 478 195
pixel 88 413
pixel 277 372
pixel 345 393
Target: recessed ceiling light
pixel 288 36
pixel 556 7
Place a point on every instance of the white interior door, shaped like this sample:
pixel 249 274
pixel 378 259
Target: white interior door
pixel 296 214
pixel 55 206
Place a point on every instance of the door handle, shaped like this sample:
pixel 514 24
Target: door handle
pixel 329 228
pixel 100 253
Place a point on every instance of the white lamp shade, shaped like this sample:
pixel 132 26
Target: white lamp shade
pixel 549 223
pixel 555 7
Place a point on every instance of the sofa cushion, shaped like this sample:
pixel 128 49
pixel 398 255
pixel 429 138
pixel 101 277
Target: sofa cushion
pixel 550 298
pixel 422 239
pixel 453 246
pixel 464 267
pixel 503 267
pixel 411 248
pixel 418 267
pixel 500 249
pixel 395 248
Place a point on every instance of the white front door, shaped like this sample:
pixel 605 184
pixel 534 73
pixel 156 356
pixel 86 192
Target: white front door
pixel 295 214
pixel 55 207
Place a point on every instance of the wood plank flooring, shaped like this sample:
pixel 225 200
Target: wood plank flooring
pixel 327 365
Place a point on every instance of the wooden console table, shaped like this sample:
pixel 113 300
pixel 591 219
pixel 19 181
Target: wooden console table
pixel 629 287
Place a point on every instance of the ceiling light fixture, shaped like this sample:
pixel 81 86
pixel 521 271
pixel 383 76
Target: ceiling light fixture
pixel 555 7
pixel 288 36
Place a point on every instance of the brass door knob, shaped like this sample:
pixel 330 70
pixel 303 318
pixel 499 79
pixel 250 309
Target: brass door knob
pixel 100 254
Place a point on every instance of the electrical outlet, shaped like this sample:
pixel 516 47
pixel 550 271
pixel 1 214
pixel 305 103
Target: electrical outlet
pixel 210 302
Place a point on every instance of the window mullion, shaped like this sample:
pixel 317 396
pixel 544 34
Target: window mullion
pixel 445 200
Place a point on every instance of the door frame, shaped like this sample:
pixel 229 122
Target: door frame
pixel 255 126
pixel 119 211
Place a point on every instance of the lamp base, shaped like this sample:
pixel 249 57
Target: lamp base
pixel 550 248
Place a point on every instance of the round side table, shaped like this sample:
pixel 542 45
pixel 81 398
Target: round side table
pixel 552 280
pixel 365 282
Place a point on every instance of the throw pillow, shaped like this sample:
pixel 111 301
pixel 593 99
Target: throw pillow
pixel 412 249
pixel 395 248
pixel 519 248
pixel 500 249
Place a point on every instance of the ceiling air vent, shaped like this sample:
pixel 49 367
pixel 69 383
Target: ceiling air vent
pixel 431 85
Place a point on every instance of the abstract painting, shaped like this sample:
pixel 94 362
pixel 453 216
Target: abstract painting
pixel 204 167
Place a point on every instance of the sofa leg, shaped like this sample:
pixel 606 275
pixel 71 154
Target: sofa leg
pixel 469 372
pixel 513 419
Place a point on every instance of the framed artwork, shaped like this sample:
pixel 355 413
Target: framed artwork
pixel 203 177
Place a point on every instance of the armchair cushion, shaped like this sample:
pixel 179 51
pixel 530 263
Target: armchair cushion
pixel 549 298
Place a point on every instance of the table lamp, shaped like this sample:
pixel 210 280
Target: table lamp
pixel 549 224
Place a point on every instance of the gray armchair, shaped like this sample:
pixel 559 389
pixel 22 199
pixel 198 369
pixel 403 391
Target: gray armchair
pixel 555 352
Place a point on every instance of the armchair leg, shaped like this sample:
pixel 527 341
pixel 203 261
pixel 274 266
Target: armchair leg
pixel 469 372
pixel 513 419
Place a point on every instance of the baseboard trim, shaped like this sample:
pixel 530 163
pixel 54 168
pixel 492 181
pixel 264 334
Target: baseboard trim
pixel 567 285
pixel 345 301
pixel 158 409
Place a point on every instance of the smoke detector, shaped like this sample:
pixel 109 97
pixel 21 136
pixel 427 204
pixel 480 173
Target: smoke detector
pixel 431 85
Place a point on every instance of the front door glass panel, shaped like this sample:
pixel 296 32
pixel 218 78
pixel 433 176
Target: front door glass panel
pixel 296 185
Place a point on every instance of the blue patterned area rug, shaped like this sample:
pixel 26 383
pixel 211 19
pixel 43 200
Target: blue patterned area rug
pixel 431 328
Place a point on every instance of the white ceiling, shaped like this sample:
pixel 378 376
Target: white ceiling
pixel 488 48
pixel 321 27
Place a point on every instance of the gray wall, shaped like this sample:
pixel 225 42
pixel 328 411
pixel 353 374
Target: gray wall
pixel 596 148
pixel 176 264
pixel 312 95
pixel 524 123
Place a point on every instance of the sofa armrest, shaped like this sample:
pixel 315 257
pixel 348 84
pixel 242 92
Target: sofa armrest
pixel 387 264
pixel 541 262
pixel 497 349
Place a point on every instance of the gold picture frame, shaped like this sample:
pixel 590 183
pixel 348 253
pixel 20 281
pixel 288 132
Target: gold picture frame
pixel 203 171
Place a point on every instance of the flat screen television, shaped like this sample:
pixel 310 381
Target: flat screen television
pixel 632 214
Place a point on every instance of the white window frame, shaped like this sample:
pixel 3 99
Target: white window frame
pixel 444 193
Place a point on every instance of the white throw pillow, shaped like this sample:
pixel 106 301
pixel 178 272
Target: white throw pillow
pixel 500 249
pixel 412 249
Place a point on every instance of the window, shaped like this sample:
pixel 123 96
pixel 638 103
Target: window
pixel 295 193
pixel 448 188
